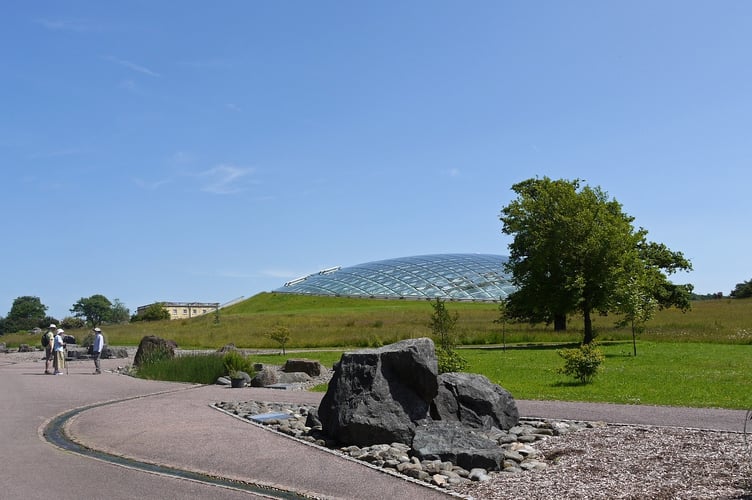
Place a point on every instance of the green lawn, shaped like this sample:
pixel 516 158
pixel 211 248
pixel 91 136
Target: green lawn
pixel 700 358
pixel 662 373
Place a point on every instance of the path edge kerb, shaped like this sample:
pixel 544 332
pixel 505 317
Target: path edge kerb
pixel 80 409
pixel 340 455
pixel 172 471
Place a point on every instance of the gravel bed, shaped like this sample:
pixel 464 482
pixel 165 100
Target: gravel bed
pixel 630 462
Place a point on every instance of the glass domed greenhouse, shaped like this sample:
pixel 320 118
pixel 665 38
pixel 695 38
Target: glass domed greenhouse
pixel 463 276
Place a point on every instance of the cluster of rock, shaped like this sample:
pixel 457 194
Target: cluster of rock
pixel 295 374
pixel 390 407
pixel 515 444
pixel 394 394
pixel 75 352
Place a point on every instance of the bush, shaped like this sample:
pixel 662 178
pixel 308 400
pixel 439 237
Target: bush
pixel 581 363
pixel 235 361
pixel 449 361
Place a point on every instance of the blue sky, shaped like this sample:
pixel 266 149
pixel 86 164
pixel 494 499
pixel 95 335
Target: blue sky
pixel 203 151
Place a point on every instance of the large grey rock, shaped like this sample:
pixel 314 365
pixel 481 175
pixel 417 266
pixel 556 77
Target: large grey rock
pixel 378 395
pixel 114 352
pixel 456 443
pixel 310 367
pixel 293 378
pixel 266 376
pixel 153 347
pixel 475 401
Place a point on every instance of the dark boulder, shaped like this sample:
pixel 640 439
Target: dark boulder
pixel 310 367
pixel 152 348
pixel 377 395
pixel 475 401
pixel 109 352
pixel 264 377
pixel 456 443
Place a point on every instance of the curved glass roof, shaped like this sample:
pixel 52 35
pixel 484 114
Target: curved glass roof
pixel 461 276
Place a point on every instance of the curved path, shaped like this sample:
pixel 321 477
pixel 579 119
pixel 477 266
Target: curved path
pixel 172 425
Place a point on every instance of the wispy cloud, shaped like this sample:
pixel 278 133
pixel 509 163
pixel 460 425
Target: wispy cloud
pixel 183 158
pixel 224 179
pixel 133 66
pixel 232 107
pixel 151 185
pixel 207 64
pixel 453 172
pixel 75 25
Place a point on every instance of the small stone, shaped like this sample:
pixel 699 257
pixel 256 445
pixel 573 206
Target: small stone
pixel 478 474
pixel 439 480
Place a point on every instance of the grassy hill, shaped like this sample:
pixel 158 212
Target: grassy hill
pixel 316 322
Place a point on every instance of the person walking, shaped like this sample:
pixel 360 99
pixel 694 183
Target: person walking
pixel 47 341
pixel 96 350
pixel 59 350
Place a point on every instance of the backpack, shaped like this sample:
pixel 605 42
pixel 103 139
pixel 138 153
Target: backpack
pixel 45 339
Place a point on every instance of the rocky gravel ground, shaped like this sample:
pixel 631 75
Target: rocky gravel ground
pixel 560 459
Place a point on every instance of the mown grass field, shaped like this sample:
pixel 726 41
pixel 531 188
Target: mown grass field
pixel 700 358
pixel 319 322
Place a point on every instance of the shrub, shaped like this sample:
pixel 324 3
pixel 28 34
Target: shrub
pixel 449 361
pixel 442 325
pixel 281 335
pixel 581 363
pixel 235 361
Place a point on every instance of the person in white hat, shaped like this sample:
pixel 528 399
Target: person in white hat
pixel 59 348
pixel 96 350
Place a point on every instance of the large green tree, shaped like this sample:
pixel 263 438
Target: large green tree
pixel 576 251
pixel 26 313
pixel 94 310
pixel 742 290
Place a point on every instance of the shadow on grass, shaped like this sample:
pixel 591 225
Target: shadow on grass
pixel 569 383
pixel 519 347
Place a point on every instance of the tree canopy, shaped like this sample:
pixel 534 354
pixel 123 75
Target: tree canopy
pixel 155 312
pixel 95 309
pixel 742 290
pixel 26 313
pixel 575 250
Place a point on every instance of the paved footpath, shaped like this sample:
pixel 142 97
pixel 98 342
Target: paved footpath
pixel 173 425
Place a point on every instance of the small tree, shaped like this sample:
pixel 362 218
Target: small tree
pixel 637 305
pixel 71 323
pixel 442 325
pixel 119 313
pixel 502 320
pixel 281 335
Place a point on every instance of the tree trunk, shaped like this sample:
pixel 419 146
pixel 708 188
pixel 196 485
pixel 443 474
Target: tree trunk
pixel 560 322
pixel 588 327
